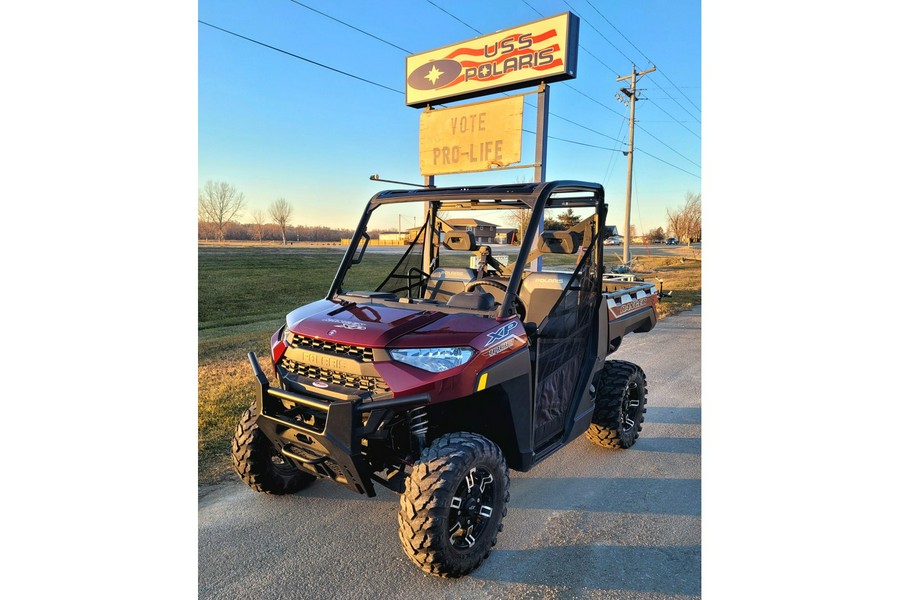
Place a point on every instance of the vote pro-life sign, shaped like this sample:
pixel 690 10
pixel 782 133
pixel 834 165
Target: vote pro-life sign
pixel 541 51
pixel 474 137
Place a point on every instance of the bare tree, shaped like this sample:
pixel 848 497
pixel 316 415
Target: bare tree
pixel 259 222
pixel 219 203
pixel 519 218
pixel 280 211
pixel 685 222
pixel 655 235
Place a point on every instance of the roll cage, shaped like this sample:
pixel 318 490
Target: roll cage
pixel 536 197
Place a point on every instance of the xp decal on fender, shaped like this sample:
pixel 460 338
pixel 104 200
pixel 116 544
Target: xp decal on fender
pixel 460 365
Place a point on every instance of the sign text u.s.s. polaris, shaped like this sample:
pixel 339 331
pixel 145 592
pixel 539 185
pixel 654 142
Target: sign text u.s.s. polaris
pixel 544 50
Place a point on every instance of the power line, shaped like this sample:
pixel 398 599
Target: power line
pixel 580 46
pixel 594 100
pixel 676 101
pixel 454 16
pixel 631 61
pixel 345 73
pixel 673 118
pixel 532 8
pixel 666 162
pixel 615 151
pixel 592 55
pixel 318 64
pixel 598 32
pixel 682 93
pixel 619 32
pixel 642 54
pixel 583 126
pixel 667 146
pixel 677 87
pixel 350 26
pixel 614 157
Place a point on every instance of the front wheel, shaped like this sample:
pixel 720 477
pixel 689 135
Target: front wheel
pixel 258 462
pixel 620 397
pixel 453 504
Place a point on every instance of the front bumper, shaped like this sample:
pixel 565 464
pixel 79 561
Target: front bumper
pixel 322 434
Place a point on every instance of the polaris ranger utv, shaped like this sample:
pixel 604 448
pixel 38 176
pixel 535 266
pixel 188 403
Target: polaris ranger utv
pixel 434 374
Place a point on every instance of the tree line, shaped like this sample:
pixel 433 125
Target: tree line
pixel 685 222
pixel 220 204
pixel 270 232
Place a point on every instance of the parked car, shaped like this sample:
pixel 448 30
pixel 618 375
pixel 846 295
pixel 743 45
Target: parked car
pixel 672 242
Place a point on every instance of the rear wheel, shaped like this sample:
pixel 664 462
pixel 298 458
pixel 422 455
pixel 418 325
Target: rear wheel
pixel 453 505
pixel 258 462
pixel 620 397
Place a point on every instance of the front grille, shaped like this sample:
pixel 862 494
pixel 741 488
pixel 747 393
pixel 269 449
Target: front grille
pixel 357 353
pixel 365 383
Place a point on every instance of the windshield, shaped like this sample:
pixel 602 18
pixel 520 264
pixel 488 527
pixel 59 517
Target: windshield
pixel 456 259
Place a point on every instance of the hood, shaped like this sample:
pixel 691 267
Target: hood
pixel 357 324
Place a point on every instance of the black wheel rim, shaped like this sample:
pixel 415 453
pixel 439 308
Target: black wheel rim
pixel 278 464
pixel 631 404
pixel 471 508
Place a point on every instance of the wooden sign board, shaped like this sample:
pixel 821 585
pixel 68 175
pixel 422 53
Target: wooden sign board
pixel 475 137
pixel 544 50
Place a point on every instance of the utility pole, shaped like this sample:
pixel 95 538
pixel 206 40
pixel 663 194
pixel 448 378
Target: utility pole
pixel 632 94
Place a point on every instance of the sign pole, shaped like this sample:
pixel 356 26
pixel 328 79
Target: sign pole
pixel 540 147
pixel 540 157
pixel 427 249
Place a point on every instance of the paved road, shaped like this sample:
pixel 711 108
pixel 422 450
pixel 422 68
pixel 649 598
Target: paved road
pixel 586 523
pixel 636 250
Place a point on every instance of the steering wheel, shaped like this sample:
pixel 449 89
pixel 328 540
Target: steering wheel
pixel 491 282
pixel 517 302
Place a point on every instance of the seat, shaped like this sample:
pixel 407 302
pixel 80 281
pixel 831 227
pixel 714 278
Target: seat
pixel 540 291
pixel 447 281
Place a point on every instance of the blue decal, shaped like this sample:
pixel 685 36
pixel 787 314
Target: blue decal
pixel 502 333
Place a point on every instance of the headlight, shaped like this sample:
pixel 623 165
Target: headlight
pixel 286 336
pixel 435 360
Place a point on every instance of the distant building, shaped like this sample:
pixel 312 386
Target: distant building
pixel 506 235
pixel 484 232
pixel 411 234
pixel 392 237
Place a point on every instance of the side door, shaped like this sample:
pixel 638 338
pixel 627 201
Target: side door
pixel 566 350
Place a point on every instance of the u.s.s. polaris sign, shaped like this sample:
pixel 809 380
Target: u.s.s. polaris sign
pixel 544 50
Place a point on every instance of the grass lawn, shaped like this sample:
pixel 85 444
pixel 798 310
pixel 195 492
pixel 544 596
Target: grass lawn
pixel 244 293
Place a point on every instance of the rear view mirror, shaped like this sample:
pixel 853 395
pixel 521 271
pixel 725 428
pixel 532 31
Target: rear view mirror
pixel 460 240
pixel 559 242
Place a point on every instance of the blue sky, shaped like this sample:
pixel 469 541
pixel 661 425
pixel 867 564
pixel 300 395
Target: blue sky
pixel 276 126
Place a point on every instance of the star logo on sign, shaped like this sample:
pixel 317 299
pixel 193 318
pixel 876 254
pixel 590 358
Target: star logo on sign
pixel 485 70
pixel 433 75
